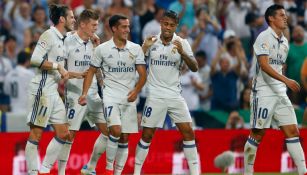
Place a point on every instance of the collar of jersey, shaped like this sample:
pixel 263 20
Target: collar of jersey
pixel 275 35
pixel 58 33
pixel 173 39
pixel 79 39
pixel 113 46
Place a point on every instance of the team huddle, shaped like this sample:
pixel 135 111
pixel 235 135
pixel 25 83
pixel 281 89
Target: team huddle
pixel 121 68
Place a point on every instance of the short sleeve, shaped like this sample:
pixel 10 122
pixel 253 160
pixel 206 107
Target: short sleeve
pixel 140 59
pixel 97 58
pixel 187 48
pixel 41 50
pixel 261 46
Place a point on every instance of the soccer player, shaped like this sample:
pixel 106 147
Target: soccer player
pixel 46 104
pixel 269 99
pixel 166 53
pixel 16 83
pixel 119 59
pixel 79 48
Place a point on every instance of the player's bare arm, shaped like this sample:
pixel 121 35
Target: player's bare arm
pixel 148 42
pixel 191 63
pixel 132 95
pixel 263 61
pixel 47 65
pixel 86 84
pixel 77 75
pixel 99 77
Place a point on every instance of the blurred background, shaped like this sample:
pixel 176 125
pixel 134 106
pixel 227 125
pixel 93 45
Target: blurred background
pixel 221 34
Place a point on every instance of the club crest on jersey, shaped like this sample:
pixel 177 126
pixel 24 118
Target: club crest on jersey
pixel 43 44
pixel 174 50
pixel 264 46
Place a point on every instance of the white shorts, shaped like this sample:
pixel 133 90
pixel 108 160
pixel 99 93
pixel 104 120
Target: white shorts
pixel 124 115
pixel 46 110
pixel 155 110
pixel 92 112
pixel 276 108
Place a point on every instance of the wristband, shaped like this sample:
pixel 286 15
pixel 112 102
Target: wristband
pixel 55 65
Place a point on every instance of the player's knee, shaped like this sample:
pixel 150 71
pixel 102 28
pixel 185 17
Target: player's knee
pixel 147 137
pixel 115 131
pixel 64 135
pixel 257 134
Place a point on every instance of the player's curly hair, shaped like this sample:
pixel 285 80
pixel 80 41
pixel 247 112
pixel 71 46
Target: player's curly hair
pixel 171 14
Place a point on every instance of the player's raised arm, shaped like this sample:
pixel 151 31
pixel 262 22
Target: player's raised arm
pixel 186 53
pixel 148 42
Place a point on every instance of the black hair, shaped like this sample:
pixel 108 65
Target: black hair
pixel 114 20
pixel 201 54
pixel 37 8
pixel 23 57
pixel 56 11
pixel 171 14
pixel 9 38
pixel 271 11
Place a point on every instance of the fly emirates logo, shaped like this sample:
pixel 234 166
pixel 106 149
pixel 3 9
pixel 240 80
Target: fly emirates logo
pixel 121 67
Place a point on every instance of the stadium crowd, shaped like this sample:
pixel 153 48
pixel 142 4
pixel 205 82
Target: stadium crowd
pixel 220 32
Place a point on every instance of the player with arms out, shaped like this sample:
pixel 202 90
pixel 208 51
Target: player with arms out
pixel 46 105
pixel 166 53
pixel 119 59
pixel 269 100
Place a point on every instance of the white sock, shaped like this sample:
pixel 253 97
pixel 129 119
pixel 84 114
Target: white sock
pixel 32 157
pixel 140 156
pixel 250 150
pixel 190 152
pixel 111 150
pixel 295 149
pixel 121 158
pixel 99 147
pixel 53 150
pixel 63 157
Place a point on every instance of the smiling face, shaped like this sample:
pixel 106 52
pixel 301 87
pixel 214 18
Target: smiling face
pixel 70 21
pixel 168 26
pixel 122 29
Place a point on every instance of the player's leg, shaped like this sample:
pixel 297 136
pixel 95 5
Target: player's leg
pixel 129 125
pixel 122 154
pixel 98 149
pixel 250 149
pixel 294 147
pixel 75 115
pixel 153 116
pixel 59 123
pixel 287 121
pixel 112 115
pixel 179 112
pixel 31 151
pixel 262 109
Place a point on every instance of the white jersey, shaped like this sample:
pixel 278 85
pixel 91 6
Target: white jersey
pixel 5 67
pixel 238 165
pixel 287 163
pixel 164 64
pixel 79 54
pixel 50 46
pixel 180 164
pixel 268 43
pixel 119 68
pixel 16 85
pixel 19 165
